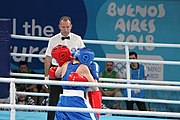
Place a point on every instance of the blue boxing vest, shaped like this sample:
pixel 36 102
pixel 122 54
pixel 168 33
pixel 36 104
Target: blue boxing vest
pixel 71 68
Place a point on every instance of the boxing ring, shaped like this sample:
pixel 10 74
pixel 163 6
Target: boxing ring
pixel 15 114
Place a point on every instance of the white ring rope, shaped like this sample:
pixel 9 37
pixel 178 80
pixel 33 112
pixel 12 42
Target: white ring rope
pixel 29 37
pixel 28 55
pixel 88 84
pixel 106 79
pixel 106 59
pixel 111 98
pixel 27 75
pixel 33 94
pixel 141 81
pixel 111 111
pixel 101 42
pixel 144 100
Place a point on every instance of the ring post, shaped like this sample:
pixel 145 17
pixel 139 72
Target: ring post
pixel 5 38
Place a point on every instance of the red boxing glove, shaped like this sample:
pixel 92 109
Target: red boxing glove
pixel 74 76
pixel 95 99
pixel 52 71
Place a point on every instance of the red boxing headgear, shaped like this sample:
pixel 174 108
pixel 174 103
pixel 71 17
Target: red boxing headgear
pixel 61 53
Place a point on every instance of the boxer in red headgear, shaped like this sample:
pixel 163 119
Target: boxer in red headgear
pixel 61 54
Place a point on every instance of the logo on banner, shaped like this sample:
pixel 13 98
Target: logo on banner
pixel 129 21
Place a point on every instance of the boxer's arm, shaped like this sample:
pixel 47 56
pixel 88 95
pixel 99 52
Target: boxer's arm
pixel 47 64
pixel 58 72
pixel 94 69
pixel 84 70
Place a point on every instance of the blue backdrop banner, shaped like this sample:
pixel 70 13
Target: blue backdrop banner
pixel 5 55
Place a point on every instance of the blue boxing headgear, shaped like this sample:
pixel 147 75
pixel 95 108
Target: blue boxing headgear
pixel 84 55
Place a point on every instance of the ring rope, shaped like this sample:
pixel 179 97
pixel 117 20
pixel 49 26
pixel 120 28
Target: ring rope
pixel 100 42
pixel 27 75
pixel 87 84
pixel 106 79
pixel 144 100
pixel 107 59
pixel 28 55
pixel 141 81
pixel 111 111
pixel 33 94
pixel 111 98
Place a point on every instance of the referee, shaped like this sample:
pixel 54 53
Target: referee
pixel 72 41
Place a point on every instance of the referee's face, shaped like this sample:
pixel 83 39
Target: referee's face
pixel 65 27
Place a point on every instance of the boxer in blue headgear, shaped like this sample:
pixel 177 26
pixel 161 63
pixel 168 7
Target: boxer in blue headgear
pixel 84 55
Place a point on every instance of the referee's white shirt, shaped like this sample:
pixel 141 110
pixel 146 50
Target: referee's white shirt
pixel 74 42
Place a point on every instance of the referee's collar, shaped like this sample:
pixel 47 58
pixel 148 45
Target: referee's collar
pixel 70 35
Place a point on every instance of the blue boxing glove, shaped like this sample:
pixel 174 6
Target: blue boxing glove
pixel 94 69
